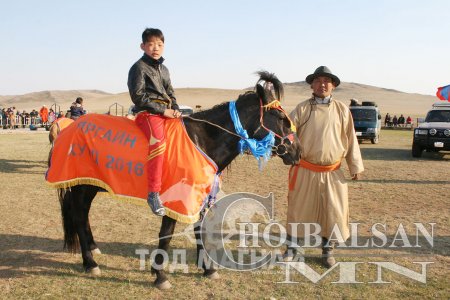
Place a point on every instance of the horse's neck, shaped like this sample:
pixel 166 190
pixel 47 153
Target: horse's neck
pixel 218 144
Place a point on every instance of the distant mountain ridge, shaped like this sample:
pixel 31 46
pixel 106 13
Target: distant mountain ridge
pixel 343 86
pixel 389 100
pixel 51 96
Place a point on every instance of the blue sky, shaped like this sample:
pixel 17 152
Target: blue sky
pixel 63 45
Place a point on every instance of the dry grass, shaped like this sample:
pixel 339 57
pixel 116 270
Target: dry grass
pixel 395 189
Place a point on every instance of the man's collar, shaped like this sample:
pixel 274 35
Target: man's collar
pixel 325 100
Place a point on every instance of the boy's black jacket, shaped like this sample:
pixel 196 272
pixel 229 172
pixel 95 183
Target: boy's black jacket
pixel 150 87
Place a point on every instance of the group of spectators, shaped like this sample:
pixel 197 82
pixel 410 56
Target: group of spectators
pixel 397 122
pixel 13 118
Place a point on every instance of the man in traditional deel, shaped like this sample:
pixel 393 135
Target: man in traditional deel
pixel 318 192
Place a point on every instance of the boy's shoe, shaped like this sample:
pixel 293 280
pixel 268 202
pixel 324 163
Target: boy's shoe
pixel 155 204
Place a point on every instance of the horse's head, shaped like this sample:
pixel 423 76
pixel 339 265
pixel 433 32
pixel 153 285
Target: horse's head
pixel 258 114
pixel 273 118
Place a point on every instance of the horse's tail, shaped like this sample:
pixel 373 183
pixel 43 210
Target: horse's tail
pixel 71 242
pixel 274 81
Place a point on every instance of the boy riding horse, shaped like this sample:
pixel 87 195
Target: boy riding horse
pixel 153 95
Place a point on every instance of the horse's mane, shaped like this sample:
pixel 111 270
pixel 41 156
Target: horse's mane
pixel 271 78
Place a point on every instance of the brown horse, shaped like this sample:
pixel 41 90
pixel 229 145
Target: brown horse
pixel 57 127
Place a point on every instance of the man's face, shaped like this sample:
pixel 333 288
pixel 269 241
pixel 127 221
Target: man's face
pixel 154 47
pixel 322 86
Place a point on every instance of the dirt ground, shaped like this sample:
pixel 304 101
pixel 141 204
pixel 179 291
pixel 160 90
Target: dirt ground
pixel 395 189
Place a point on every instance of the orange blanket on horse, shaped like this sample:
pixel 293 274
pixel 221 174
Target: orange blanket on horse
pixel 62 123
pixel 110 152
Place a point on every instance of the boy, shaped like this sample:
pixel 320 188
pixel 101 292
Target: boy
pixel 76 109
pixel 154 98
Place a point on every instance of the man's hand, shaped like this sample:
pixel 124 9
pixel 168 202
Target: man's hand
pixel 171 113
pixel 356 176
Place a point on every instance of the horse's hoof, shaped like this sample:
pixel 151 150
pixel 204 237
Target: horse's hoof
pixel 96 251
pixel 94 271
pixel 213 276
pixel 165 285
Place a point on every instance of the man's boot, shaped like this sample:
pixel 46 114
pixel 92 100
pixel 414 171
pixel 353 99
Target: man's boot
pixel 293 251
pixel 327 254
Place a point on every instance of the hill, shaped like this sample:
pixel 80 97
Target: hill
pixel 389 100
pixel 37 99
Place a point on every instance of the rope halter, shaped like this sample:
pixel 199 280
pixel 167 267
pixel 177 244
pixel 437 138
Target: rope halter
pixel 287 140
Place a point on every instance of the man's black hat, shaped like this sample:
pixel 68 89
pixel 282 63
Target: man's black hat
pixel 323 71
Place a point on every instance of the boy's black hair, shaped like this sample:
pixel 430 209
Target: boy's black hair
pixel 79 100
pixel 152 32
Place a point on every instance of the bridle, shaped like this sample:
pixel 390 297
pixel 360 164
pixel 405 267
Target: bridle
pixel 281 148
pixel 287 140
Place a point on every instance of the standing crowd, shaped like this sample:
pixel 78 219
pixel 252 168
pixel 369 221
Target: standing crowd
pixel 12 118
pixel 397 122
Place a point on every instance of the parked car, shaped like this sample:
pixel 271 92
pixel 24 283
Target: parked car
pixel 367 121
pixel 186 110
pixel 433 135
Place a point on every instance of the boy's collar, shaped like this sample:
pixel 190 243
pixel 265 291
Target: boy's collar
pixel 153 61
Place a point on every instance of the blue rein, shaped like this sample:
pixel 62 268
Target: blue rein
pixel 259 148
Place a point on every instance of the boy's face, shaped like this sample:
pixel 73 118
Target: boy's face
pixel 154 47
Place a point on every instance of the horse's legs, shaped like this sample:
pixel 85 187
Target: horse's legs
pixel 82 198
pixel 202 257
pixel 92 244
pixel 165 236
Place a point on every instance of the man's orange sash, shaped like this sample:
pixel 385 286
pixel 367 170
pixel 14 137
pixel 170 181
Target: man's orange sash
pixel 293 172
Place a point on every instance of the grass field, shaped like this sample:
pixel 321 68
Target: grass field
pixel 395 189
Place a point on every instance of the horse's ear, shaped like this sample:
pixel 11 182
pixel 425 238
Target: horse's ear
pixel 261 92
